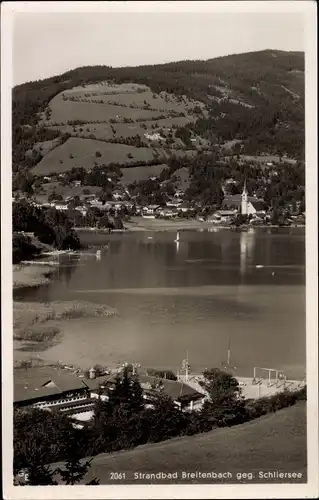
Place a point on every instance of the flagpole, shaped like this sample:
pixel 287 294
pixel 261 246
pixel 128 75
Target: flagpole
pixel 228 352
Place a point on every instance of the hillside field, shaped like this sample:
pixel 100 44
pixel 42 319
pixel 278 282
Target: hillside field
pixel 131 174
pixel 76 152
pixel 104 131
pixel 276 441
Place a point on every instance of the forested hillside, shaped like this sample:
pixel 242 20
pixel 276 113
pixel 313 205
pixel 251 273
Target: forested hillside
pixel 247 104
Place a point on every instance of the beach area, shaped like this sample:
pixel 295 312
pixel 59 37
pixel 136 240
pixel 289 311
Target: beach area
pixel 38 326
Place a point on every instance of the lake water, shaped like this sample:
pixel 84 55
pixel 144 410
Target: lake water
pixel 188 295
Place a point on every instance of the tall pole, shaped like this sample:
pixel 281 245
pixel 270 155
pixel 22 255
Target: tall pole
pixel 186 366
pixel 228 352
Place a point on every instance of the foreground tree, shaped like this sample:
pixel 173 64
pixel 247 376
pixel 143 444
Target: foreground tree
pixel 225 405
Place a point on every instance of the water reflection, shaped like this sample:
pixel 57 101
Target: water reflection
pixel 247 244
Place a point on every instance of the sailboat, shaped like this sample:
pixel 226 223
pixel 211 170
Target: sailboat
pixel 177 237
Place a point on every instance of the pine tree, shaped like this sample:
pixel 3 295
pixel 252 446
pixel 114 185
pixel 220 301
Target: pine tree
pixel 74 470
pixel 40 475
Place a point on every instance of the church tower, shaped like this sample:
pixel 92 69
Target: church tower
pixel 244 200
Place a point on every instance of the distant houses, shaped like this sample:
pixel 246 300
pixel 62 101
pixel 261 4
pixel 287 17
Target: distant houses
pixel 222 217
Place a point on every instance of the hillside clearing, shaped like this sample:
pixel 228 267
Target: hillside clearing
pixel 131 174
pixel 63 111
pixel 83 152
pixel 105 130
pixel 57 188
pixel 78 152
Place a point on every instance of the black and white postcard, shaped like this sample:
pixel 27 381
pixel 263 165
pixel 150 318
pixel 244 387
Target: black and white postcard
pixel 159 249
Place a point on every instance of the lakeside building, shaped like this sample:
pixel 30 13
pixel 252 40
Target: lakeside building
pixel 222 216
pixel 174 203
pixel 167 213
pixel 243 203
pixel 186 398
pixel 61 206
pixel 50 389
pixel 150 210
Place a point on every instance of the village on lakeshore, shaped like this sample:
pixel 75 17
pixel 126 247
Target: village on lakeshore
pixel 92 211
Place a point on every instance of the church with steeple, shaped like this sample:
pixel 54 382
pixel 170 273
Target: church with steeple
pixel 244 201
pixel 250 205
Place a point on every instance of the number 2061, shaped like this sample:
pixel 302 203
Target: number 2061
pixel 116 476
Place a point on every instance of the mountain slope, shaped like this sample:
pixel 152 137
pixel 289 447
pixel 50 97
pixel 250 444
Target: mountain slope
pixel 254 100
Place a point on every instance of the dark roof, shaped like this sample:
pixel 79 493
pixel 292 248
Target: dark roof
pixel 176 390
pixel 235 200
pixel 94 384
pixel 258 205
pixel 32 383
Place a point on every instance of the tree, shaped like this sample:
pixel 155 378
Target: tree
pixel 74 471
pixel 166 374
pixel 275 217
pixel 241 219
pixel 225 405
pixel 104 221
pixel 23 181
pixel 166 420
pixel 55 197
pixel 39 474
pixel 118 224
pixel 75 202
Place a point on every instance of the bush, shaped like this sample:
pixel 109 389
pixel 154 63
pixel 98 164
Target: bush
pixel 168 374
pixel 98 154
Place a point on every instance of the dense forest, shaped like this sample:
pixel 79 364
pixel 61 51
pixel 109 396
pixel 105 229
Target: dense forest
pixel 50 226
pixel 257 97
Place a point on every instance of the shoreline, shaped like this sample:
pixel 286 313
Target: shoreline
pixel 138 224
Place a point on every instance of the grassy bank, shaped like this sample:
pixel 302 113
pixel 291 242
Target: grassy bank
pixel 39 322
pixel 31 275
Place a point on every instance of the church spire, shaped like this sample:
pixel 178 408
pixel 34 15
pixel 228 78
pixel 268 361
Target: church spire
pixel 245 187
pixel 244 200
